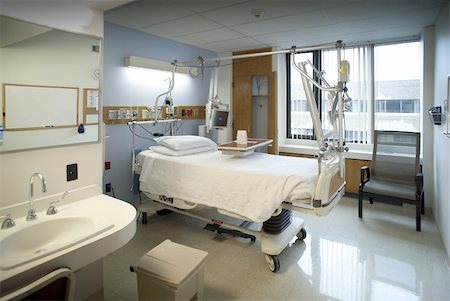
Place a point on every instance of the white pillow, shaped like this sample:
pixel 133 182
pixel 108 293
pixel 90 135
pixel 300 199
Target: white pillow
pixel 177 153
pixel 184 142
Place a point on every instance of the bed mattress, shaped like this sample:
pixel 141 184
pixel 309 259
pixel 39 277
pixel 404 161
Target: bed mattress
pixel 252 186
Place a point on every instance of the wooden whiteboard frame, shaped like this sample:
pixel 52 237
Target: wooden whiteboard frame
pixel 5 127
pixel 93 110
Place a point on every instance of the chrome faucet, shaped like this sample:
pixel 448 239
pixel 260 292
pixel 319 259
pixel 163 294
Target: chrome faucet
pixel 8 222
pixel 31 212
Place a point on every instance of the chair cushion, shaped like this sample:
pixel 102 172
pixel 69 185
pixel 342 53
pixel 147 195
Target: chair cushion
pixel 391 189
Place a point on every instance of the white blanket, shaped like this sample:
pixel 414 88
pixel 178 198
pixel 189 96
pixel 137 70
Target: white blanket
pixel 253 186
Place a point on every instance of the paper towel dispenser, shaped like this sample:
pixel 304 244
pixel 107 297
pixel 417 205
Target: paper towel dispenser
pixel 435 114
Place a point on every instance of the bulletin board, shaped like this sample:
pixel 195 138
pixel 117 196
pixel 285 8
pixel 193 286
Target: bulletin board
pixel 27 107
pixel 90 106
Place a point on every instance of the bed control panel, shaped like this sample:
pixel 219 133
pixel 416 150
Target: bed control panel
pixel 166 199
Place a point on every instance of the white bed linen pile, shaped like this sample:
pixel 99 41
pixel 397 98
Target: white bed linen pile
pixel 253 186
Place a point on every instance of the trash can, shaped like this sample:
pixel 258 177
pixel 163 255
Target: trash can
pixel 170 271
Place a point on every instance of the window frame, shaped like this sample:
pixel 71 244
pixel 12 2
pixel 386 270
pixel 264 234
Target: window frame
pixel 317 95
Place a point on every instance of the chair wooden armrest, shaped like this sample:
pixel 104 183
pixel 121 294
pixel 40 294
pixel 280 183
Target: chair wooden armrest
pixel 364 175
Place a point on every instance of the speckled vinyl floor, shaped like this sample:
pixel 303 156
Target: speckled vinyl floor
pixel 380 257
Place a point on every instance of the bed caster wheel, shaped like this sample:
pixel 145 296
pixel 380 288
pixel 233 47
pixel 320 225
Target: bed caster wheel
pixel 302 234
pixel 273 262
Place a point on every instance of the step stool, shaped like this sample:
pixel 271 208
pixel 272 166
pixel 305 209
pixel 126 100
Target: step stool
pixel 170 271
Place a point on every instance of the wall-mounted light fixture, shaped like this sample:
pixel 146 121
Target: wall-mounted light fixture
pixel 141 62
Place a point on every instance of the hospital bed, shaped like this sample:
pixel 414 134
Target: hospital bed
pixel 259 188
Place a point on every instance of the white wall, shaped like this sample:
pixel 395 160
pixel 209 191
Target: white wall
pixel 428 49
pixel 441 143
pixel 53 58
pixel 16 168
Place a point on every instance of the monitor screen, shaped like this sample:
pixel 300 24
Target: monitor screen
pixel 219 118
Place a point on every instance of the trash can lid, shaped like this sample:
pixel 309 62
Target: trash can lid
pixel 170 262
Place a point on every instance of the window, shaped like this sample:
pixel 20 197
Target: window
pixel 397 86
pixel 357 116
pixel 299 120
pixel 384 87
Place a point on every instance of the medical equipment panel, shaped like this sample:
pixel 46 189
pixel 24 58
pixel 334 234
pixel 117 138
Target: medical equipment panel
pixel 127 113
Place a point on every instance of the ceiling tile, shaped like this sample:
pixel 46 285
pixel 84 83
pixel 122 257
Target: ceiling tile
pixel 209 36
pixel 221 25
pixel 285 36
pixel 233 45
pixel 181 27
pixel 199 6
pixel 387 23
pixel 141 14
pixel 369 10
pixel 106 4
pixel 280 24
pixel 242 13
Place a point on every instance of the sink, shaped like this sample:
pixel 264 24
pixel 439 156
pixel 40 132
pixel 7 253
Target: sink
pixel 29 241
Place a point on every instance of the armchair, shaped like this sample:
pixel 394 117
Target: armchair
pixel 395 176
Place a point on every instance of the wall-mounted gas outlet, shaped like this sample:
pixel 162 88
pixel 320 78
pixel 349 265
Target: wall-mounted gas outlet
pixel 108 187
pixel 72 172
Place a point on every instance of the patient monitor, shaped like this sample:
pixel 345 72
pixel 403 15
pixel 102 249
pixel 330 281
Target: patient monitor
pixel 219 118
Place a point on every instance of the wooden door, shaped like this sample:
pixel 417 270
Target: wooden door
pixel 242 105
pixel 243 70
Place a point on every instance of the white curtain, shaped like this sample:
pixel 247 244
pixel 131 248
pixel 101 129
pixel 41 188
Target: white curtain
pixel 357 118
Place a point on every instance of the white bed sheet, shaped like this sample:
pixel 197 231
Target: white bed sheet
pixel 253 186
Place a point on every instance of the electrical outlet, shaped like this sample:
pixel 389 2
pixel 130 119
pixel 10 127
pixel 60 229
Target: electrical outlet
pixel 108 187
pixel 72 172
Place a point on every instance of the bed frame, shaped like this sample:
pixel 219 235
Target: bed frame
pixel 281 230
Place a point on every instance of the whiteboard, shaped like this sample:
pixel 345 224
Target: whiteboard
pixel 28 107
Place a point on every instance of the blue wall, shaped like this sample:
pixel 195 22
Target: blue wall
pixel 128 86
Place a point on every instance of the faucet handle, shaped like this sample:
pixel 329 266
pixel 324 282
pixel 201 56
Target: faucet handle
pixel 63 196
pixel 52 209
pixel 8 222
